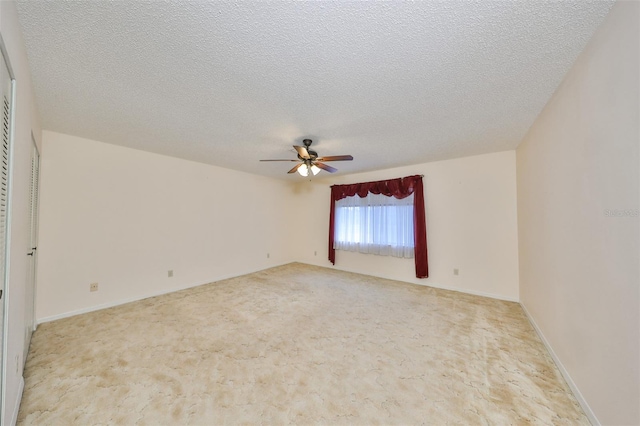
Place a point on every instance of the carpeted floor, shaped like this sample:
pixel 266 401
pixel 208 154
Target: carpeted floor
pixel 296 344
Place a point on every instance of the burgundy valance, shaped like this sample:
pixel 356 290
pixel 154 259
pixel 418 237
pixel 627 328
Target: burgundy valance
pixel 398 188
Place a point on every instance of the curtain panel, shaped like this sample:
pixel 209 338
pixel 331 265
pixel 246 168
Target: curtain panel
pixel 375 224
pixel 399 188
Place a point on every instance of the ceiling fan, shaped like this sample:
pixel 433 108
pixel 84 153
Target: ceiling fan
pixel 310 162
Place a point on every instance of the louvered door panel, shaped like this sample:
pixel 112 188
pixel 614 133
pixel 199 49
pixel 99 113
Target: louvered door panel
pixel 5 175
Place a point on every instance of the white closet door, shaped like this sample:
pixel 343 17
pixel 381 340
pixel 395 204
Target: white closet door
pixel 32 264
pixel 6 92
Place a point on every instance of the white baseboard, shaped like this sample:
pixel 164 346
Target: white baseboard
pixel 576 392
pixel 16 408
pixel 431 284
pixel 474 292
pixel 146 296
pixel 224 277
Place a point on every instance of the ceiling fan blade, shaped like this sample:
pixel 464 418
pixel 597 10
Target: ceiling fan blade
pixel 325 167
pixel 279 160
pixel 302 152
pixel 295 168
pixel 336 158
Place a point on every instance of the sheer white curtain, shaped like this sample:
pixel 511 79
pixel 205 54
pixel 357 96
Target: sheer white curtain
pixel 375 224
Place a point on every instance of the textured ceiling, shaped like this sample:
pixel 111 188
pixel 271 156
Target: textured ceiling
pixel 229 83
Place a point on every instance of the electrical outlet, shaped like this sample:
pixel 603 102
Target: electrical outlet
pixel 315 253
pixel 268 255
pixel 93 287
pixel 456 272
pixel 170 273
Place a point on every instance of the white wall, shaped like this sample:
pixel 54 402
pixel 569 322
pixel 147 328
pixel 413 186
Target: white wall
pixel 471 225
pixel 579 271
pixel 26 122
pixel 123 218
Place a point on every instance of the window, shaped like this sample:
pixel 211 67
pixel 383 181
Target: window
pixel 375 219
pixel 375 224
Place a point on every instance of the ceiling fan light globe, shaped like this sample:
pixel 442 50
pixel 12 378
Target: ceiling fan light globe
pixel 303 170
pixel 315 169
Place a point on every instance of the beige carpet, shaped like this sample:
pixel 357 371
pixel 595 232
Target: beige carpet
pixel 296 344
